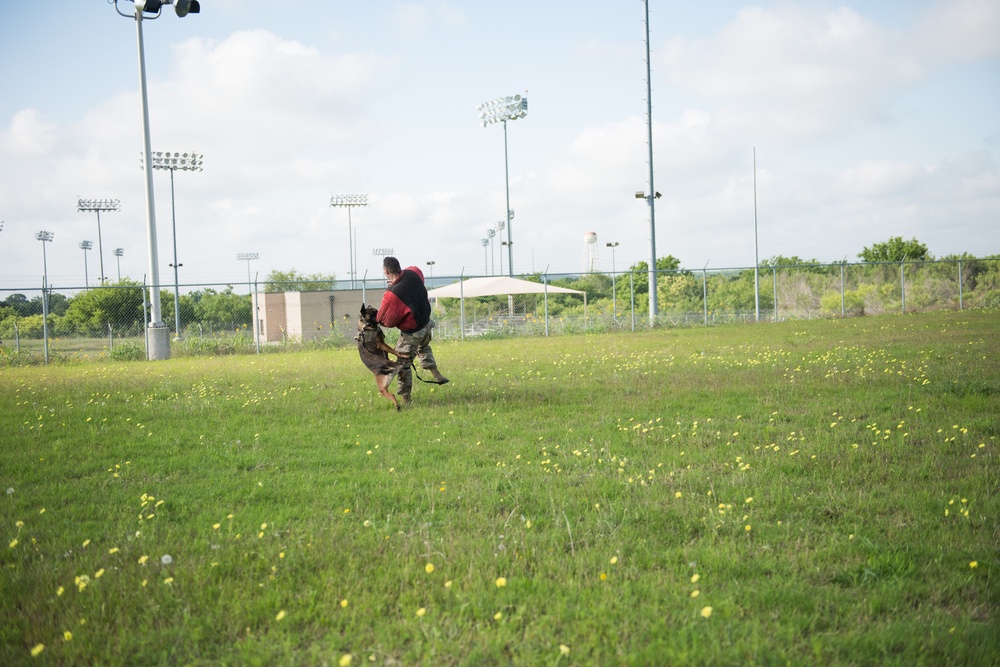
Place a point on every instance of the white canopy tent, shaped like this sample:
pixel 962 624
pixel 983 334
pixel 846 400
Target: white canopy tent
pixel 500 286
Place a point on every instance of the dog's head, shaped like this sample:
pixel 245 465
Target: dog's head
pixel 369 315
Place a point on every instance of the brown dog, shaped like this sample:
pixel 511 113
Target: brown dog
pixel 375 352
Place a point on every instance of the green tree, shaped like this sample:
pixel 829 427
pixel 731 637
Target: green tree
pixel 895 250
pixel 293 281
pixel 22 305
pixel 90 312
pixel 640 280
pixel 221 310
pixel 167 309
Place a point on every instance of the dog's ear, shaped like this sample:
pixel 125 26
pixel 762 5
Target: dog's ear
pixel 362 308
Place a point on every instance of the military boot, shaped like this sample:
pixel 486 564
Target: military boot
pixel 440 379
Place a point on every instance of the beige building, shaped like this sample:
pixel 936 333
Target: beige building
pixel 306 316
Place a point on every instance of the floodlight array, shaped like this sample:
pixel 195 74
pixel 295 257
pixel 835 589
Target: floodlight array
pixel 98 205
pixel 119 252
pixel 86 245
pixel 502 109
pixel 44 236
pixel 247 256
pixel 349 200
pixel 184 161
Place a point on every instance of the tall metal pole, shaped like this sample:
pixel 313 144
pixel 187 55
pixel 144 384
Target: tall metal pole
pixel 614 294
pixel 350 247
pixel 507 216
pixel 100 245
pixel 500 110
pixel 98 205
pixel 177 291
pixel 45 237
pixel 651 199
pixel 756 256
pixel 118 253
pixel 85 246
pixel 349 202
pixel 172 162
pixel 159 342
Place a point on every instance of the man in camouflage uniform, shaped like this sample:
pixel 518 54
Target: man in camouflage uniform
pixel 405 306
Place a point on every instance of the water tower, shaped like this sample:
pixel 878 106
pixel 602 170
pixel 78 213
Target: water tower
pixel 591 264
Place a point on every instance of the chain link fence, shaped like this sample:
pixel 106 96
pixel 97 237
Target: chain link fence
pixel 69 324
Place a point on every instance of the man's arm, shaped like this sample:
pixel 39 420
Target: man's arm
pixel 391 311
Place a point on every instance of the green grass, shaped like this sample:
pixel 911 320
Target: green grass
pixel 823 486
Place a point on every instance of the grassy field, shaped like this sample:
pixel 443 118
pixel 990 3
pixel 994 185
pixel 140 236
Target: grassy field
pixel 822 492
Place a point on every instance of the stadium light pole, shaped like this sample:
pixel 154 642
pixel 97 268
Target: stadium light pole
pixel 85 246
pixel 500 110
pixel 118 253
pixel 614 295
pixel 45 237
pixel 172 162
pixel 349 202
pixel 653 194
pixel 756 254
pixel 159 334
pixel 98 205
pixel 250 257
pixel 486 261
pixel 430 267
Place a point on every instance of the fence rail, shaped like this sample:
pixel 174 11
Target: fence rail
pixel 109 321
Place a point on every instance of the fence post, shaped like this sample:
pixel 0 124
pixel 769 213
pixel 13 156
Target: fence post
pixel 774 273
pixel 145 317
pixel 960 284
pixel 45 320
pixel 704 291
pixel 461 301
pixel 631 289
pixel 545 289
pixel 842 310
pixel 17 338
pixel 254 306
pixel 111 339
pixel 902 286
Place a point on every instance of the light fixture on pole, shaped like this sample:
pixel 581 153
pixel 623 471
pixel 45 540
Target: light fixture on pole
pixel 349 202
pixel 430 267
pixel 614 294
pixel 486 261
pixel 85 246
pixel 99 205
pixel 500 110
pixel 118 253
pixel 45 237
pixel 172 162
pixel 159 335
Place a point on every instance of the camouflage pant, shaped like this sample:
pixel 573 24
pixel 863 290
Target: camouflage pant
pixel 416 344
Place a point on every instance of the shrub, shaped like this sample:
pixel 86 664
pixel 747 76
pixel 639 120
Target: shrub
pixel 127 352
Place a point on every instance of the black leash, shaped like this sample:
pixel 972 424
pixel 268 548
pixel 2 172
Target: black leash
pixel 414 367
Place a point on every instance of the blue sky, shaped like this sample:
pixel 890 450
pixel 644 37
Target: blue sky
pixel 869 120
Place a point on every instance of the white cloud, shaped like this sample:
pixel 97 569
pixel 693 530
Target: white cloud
pixel 29 134
pixel 793 72
pixel 959 30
